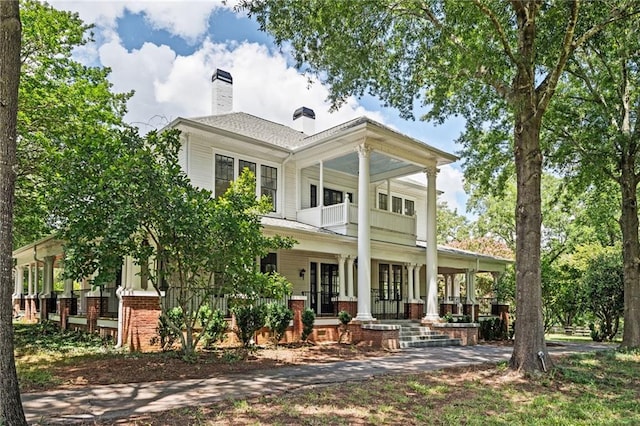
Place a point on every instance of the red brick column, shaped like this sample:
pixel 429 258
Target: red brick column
pixel 297 306
pixel 30 308
pixel 93 312
pixel 64 309
pixel 16 306
pixel 44 308
pixel 140 317
pixel 414 311
pixel 466 310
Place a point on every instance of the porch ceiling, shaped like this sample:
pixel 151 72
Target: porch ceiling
pixel 381 166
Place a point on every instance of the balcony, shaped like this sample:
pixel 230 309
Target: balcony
pixel 343 219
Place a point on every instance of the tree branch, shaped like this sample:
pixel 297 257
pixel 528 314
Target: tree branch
pixel 496 24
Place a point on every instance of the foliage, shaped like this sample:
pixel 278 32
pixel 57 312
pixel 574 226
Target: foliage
pixel 484 245
pixel 451 226
pixel 249 319
pixel 168 334
pixel 603 282
pixel 61 102
pixel 344 317
pixel 493 329
pixel 308 319
pixel 214 326
pixel 146 207
pixel 277 319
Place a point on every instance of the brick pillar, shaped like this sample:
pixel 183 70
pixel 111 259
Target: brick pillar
pixel 44 308
pixel 297 306
pixel 349 306
pixel 30 308
pixel 446 308
pixel 466 310
pixel 93 312
pixel 498 309
pixel 140 317
pixel 64 309
pixel 16 306
pixel 414 311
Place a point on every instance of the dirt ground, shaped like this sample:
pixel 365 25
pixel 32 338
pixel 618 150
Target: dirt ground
pixel 137 368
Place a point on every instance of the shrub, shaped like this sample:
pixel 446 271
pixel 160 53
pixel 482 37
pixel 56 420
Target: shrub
pixel 168 335
pixel 249 319
pixel 448 317
pixel 493 329
pixel 308 319
pixel 344 317
pixel 277 319
pixel 213 325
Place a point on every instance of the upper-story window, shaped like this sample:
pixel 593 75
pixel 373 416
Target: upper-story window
pixel 226 171
pixel 399 205
pixel 330 196
pixel 269 184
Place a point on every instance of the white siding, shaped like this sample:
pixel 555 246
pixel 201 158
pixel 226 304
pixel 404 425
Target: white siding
pixel 201 163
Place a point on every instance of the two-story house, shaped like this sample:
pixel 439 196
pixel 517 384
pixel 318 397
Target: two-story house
pixel 366 231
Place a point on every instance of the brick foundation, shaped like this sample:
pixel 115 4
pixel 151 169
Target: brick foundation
pixel 95 306
pixel 64 309
pixel 140 316
pixel 414 311
pixel 385 337
pixel 468 334
pixel 297 306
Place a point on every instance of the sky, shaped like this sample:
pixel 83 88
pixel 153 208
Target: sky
pixel 166 51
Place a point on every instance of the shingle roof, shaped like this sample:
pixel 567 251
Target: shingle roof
pixel 256 128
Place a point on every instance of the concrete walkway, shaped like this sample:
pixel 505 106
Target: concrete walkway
pixel 123 400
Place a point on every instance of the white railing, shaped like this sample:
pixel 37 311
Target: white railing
pixel 347 213
pixel 393 221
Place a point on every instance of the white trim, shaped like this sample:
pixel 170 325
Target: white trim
pixel 141 293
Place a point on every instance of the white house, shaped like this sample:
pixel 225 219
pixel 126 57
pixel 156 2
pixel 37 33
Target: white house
pixel 366 232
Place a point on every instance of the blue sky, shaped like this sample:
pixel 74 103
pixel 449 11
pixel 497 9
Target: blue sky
pixel 166 51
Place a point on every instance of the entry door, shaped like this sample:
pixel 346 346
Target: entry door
pixel 328 287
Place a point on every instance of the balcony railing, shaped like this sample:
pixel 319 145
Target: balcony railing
pixel 344 214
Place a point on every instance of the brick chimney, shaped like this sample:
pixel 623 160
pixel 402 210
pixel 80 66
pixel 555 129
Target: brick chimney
pixel 304 120
pixel 221 92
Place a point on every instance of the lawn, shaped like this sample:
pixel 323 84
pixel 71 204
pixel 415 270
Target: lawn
pixel 592 389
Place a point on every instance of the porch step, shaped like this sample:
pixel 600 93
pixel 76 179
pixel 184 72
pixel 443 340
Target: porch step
pixel 414 335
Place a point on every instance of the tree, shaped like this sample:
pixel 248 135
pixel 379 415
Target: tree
pixel 10 30
pixel 496 63
pixel 451 226
pixel 596 131
pixel 126 195
pixel 58 98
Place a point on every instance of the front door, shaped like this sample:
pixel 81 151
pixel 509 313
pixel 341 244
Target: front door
pixel 323 280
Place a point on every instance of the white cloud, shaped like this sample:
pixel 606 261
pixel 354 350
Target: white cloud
pixel 450 181
pixel 188 20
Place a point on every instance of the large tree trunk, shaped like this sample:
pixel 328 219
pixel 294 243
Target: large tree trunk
pixel 10 32
pixel 529 346
pixel 630 253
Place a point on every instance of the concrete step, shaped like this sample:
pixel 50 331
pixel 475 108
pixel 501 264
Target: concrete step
pixel 430 343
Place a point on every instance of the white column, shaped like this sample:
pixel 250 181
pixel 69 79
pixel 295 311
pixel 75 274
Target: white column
pixel 48 275
pixel 341 280
pixel 388 195
pixel 456 288
pixel 321 185
pixel 364 240
pixel 19 281
pixel 432 249
pixel 350 276
pixel 471 285
pixel 68 287
pixel 30 287
pixel 416 292
pixel 410 284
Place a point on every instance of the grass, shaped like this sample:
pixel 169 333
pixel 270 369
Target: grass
pixel 590 389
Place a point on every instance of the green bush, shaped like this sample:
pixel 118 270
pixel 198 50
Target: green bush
pixel 308 319
pixel 168 335
pixel 493 329
pixel 278 318
pixel 344 317
pixel 249 319
pixel 213 325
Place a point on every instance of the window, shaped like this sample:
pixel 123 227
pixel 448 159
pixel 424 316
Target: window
pixel 383 201
pixel 331 197
pixel 269 186
pixel 269 263
pixel 409 207
pixel 313 196
pixel 383 280
pixel 242 164
pixel 396 205
pixel 224 174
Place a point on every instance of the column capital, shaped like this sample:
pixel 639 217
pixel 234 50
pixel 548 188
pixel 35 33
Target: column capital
pixel 342 257
pixel 431 171
pixel 364 150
